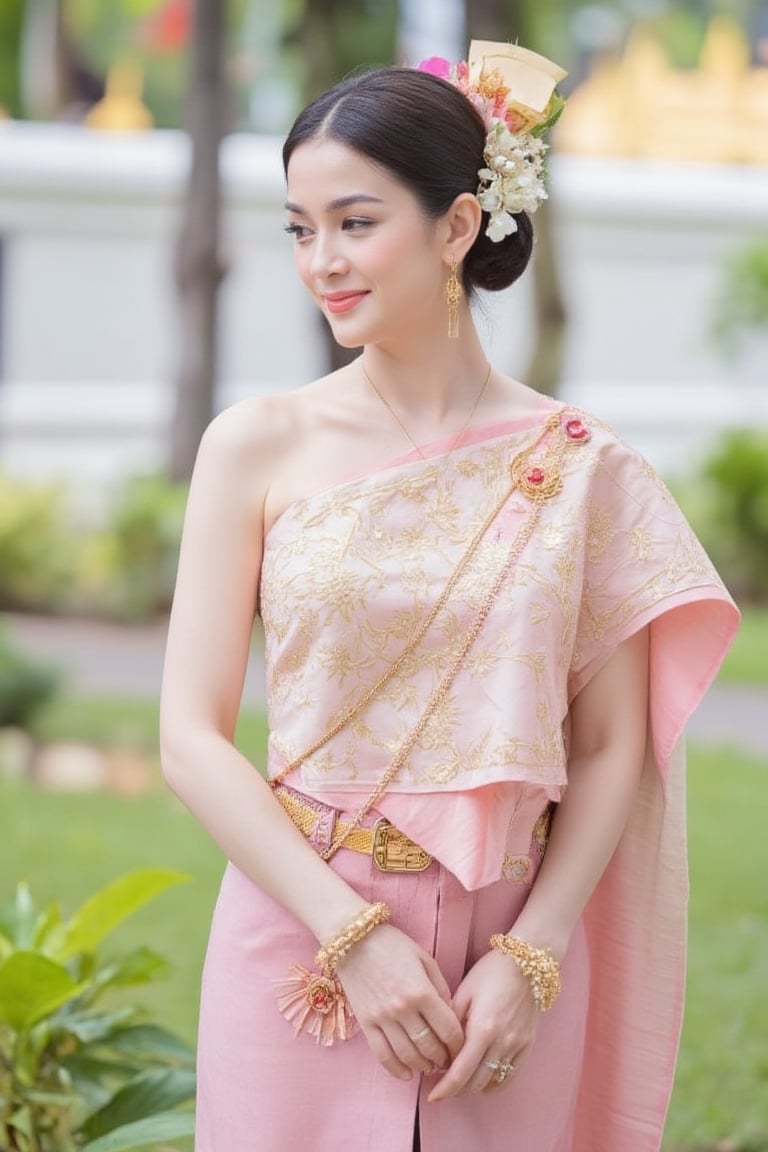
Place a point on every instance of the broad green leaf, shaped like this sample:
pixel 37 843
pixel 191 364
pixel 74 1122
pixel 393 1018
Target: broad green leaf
pixel 31 987
pixel 102 913
pixel 21 1120
pixel 93 1070
pixel 141 966
pixel 145 1095
pixel 48 926
pixel 58 1099
pixel 149 1040
pixel 92 1027
pixel 152 1130
pixel 88 1079
pixel 20 918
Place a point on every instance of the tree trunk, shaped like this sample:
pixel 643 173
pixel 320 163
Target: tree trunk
pixel 322 69
pixel 198 264
pixel 545 366
pixel 492 20
pixel 507 20
pixel 39 73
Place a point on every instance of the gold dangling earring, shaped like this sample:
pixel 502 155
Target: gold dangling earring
pixel 453 295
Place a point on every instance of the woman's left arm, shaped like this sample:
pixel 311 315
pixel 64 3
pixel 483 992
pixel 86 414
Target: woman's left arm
pixel 609 722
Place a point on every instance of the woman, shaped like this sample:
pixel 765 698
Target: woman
pixel 471 596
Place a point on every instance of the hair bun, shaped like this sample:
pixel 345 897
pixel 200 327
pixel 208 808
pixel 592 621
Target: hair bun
pixel 494 265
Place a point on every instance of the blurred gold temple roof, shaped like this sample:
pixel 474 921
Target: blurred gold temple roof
pixel 121 109
pixel 639 105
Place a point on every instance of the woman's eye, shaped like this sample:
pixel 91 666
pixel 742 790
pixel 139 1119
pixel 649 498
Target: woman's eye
pixel 356 223
pixel 298 231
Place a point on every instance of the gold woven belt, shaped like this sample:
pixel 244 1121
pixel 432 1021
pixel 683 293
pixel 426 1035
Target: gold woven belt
pixel 391 849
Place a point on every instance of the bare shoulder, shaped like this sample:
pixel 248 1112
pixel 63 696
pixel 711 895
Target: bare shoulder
pixel 268 426
pixel 520 400
pixel 257 425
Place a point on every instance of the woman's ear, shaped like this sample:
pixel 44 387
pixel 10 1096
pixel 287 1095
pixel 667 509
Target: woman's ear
pixel 462 224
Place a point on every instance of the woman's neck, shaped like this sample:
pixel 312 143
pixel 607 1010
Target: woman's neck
pixel 430 381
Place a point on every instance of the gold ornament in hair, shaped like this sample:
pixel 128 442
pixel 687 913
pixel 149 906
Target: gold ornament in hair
pixel 515 92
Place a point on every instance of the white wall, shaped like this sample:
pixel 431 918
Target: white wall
pixel 88 322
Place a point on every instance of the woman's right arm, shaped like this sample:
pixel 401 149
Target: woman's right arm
pixel 205 664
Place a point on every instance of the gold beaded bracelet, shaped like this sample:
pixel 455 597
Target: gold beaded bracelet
pixel 537 964
pixel 336 949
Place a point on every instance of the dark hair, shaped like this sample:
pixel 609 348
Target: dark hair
pixel 430 137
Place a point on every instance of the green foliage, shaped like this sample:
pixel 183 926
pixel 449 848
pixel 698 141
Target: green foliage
pixel 107 721
pixel 36 547
pixel 730 512
pixel 747 659
pixel 107 33
pixel 25 686
pixel 720 1098
pixel 720 1090
pixel 336 37
pixel 742 304
pixel 130 567
pixel 125 570
pixel 681 29
pixel 73 1074
pixel 11 12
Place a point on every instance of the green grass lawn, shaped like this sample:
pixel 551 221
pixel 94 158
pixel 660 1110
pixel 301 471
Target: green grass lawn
pixel 67 845
pixel 747 661
pixel 107 721
pixel 721 1089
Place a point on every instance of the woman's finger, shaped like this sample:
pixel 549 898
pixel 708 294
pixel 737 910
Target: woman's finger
pixel 461 1071
pixel 405 1050
pixel 433 970
pixel 383 1051
pixel 429 1045
pixel 444 1024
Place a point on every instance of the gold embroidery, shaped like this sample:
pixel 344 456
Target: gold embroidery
pixel 516 868
pixel 337 660
pixel 541 829
pixel 642 544
pixel 350 576
pixel 538 613
pixel 599 534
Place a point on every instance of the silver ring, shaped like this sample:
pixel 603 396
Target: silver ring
pixel 501 1069
pixel 420 1035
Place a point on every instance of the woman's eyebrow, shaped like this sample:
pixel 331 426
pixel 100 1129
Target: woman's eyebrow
pixel 340 202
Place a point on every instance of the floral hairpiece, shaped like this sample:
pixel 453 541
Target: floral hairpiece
pixel 514 90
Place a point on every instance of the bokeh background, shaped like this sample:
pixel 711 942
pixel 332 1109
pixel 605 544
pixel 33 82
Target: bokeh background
pixel 145 283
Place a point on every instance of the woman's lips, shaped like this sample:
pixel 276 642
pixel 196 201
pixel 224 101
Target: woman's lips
pixel 343 301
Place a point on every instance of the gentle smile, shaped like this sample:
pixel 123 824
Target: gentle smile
pixel 343 301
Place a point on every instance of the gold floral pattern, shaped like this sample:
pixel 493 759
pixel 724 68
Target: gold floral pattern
pixel 349 576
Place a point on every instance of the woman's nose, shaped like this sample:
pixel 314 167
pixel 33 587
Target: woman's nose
pixel 327 258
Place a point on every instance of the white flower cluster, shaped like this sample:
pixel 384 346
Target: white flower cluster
pixel 513 181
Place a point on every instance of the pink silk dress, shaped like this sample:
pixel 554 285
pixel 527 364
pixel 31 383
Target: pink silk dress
pixel 587 547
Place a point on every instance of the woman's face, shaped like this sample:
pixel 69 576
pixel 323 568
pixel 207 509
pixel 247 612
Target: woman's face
pixel 364 249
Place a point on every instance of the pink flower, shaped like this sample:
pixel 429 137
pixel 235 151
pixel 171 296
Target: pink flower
pixel 436 66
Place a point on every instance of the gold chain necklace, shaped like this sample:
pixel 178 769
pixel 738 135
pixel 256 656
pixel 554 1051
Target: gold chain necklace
pixel 538 484
pixel 403 428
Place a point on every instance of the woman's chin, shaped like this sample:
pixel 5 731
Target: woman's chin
pixel 350 335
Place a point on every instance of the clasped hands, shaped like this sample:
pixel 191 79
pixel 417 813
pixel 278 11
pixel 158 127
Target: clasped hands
pixel 474 1041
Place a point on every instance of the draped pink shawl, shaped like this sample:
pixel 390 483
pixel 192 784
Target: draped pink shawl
pixel 348 576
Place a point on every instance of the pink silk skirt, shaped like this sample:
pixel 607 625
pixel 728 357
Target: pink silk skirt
pixel 263 1089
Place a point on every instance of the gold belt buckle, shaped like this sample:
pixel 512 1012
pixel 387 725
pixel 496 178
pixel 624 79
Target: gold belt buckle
pixel 393 851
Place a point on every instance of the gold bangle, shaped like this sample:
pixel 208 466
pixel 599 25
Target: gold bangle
pixel 537 964
pixel 336 949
